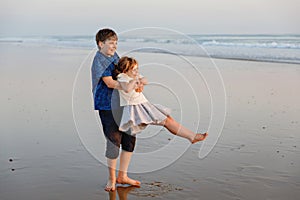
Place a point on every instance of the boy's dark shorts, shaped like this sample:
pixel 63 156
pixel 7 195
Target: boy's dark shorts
pixel 114 137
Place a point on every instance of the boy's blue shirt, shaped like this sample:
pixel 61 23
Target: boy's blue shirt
pixel 102 66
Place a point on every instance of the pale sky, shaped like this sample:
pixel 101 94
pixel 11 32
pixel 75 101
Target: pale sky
pixel 85 17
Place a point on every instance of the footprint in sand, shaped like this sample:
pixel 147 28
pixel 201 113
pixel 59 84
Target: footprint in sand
pixel 154 189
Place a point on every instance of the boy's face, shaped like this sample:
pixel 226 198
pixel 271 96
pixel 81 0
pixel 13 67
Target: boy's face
pixel 108 47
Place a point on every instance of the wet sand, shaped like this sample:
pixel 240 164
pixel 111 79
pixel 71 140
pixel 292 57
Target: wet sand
pixel 42 157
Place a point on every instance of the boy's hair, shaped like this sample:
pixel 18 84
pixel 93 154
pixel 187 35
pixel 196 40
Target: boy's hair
pixel 105 34
pixel 124 65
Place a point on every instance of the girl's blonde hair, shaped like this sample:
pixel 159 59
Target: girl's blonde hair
pixel 125 64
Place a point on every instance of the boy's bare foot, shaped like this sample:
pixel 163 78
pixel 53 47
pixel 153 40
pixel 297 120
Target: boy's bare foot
pixel 199 137
pixel 110 186
pixel 127 180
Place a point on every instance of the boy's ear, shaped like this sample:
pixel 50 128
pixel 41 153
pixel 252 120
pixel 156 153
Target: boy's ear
pixel 100 44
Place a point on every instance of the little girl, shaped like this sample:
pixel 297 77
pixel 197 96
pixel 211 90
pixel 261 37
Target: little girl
pixel 138 112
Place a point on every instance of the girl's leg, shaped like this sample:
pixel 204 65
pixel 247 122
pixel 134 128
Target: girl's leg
pixel 177 129
pixel 112 164
pixel 123 178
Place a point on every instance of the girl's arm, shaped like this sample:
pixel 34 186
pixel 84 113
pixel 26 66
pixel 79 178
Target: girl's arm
pixel 143 80
pixel 128 87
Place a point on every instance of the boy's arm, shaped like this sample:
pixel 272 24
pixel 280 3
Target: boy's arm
pixel 111 83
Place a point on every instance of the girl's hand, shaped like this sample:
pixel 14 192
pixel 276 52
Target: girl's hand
pixel 140 87
pixel 143 80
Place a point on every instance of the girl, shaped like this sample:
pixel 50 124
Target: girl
pixel 138 112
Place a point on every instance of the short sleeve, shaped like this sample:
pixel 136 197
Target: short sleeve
pixel 103 66
pixel 124 78
pixel 97 68
pixel 107 71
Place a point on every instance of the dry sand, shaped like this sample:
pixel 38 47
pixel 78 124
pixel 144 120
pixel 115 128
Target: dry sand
pixel 42 157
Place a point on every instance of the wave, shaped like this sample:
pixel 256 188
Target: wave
pixel 225 53
pixel 275 48
pixel 272 44
pixel 249 42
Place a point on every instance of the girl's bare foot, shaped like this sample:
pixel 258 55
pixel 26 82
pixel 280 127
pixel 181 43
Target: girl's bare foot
pixel 199 137
pixel 127 180
pixel 110 186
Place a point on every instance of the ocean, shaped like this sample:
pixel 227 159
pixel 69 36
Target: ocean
pixel 269 48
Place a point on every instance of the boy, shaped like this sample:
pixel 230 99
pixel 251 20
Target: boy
pixel 103 86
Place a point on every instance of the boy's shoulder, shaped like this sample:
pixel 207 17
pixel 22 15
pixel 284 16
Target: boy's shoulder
pixel 101 56
pixel 104 61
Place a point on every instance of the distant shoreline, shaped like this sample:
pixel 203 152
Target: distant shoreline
pixel 259 48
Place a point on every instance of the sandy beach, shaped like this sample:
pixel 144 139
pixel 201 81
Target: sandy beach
pixel 42 155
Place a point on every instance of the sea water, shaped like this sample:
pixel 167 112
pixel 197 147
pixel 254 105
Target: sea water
pixel 271 48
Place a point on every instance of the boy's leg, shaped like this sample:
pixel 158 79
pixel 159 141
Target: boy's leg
pixel 113 140
pixel 128 144
pixel 124 163
pixel 111 182
pixel 112 153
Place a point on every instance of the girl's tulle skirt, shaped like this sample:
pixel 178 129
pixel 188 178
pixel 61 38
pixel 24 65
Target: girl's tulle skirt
pixel 137 117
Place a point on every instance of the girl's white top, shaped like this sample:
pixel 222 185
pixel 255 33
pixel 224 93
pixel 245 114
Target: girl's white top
pixel 130 98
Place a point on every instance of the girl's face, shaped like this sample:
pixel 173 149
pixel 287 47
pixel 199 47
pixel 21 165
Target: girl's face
pixel 133 72
pixel 108 47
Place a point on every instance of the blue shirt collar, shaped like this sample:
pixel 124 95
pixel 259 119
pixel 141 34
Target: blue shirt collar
pixel 106 61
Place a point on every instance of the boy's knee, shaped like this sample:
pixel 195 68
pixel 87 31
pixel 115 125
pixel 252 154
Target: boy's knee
pixel 112 150
pixel 128 142
pixel 128 147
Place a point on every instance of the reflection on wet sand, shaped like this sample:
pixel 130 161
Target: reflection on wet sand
pixel 122 192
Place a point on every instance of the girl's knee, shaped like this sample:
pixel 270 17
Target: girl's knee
pixel 168 121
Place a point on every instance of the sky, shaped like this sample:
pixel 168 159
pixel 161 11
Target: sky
pixel 85 17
